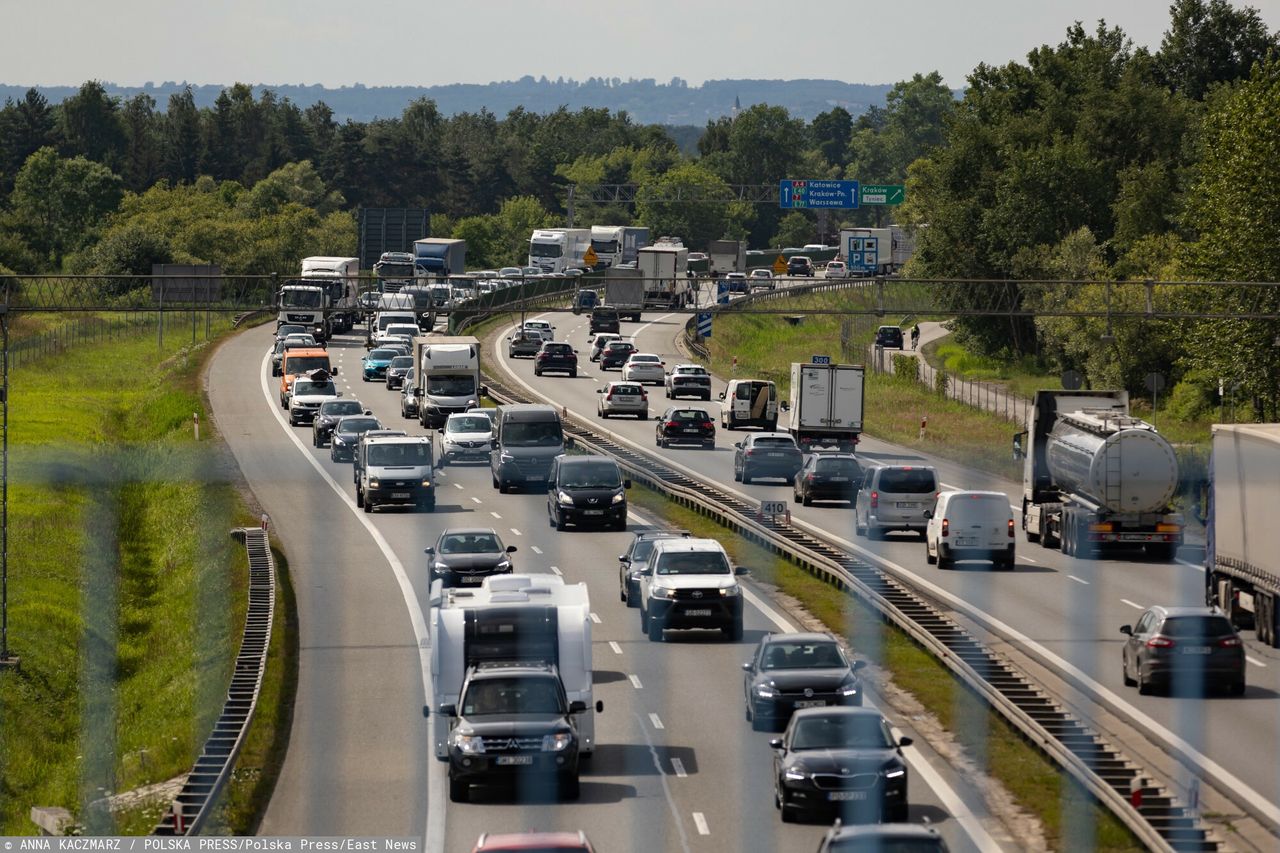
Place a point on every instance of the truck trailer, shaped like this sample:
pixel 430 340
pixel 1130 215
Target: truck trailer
pixel 826 405
pixel 446 376
pixel 727 256
pixel 558 249
pixel 1242 548
pixel 508 619
pixel 664 268
pixel 438 257
pixel 624 293
pixel 1094 477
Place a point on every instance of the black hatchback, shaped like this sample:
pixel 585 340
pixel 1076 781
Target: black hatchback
pixel 685 426
pixel 616 353
pixel 556 357
pixel 889 337
pixel 828 477
pixel 604 320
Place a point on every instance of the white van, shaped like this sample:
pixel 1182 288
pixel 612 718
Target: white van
pixel 749 402
pixel 970 526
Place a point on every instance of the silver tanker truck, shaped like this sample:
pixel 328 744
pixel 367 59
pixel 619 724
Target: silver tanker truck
pixel 1095 478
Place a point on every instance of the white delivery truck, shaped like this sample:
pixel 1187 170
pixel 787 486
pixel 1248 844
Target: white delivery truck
pixel 826 405
pixel 511 619
pixel 664 268
pixel 727 256
pixel 558 249
pixel 624 293
pixel 447 376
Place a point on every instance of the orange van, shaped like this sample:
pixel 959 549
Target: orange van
pixel 297 362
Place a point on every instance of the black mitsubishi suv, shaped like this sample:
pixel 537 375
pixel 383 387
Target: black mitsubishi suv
pixel 513 721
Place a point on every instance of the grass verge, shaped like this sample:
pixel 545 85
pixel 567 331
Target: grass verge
pixel 1034 782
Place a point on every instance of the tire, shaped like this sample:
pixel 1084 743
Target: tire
pixel 758 725
pixel 459 792
pixel 604 414
pixel 620 525
pixel 315 440
pixel 570 787
pixel 573 374
pixel 1236 688
pixel 368 506
pixel 644 619
pixel 746 478
pixel 1144 686
pixel 537 372
pixel 558 521
pixel 1124 675
pixel 733 631
pixel 644 416
pixel 945 564
pixel 494 477
pixel 806 501
pixel 359 498
pixel 666 392
pixel 858 529
pixel 795 498
pixel 658 441
pixel 655 631
pixel 773 425
pixel 427 506
pixel 931 559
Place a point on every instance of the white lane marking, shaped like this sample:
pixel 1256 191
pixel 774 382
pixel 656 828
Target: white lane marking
pixel 1078 580
pixel 477 500
pixel 594 618
pixel 1131 604
pixel 1028 559
pixel 516 532
pixel 655 722
pixel 617 649
pixel 457 485
pixel 1195 566
pixel 678 766
pixel 555 571
pixel 700 821
pixel 666 790
pixel 635 682
pixel 494 514
pixel 535 549
pixel 433 835
pixel 1255 661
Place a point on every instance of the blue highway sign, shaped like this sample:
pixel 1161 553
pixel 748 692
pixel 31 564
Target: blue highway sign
pixel 704 324
pixel 841 195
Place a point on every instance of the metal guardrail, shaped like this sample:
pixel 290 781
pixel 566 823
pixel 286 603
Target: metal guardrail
pixel 194 803
pixel 1159 821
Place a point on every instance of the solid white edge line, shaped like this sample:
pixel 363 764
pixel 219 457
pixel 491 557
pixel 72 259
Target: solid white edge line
pixel 433 837
pixel 1078 580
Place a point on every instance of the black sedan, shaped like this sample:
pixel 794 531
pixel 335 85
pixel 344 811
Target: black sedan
pixel 465 556
pixel 685 426
pixel 346 435
pixel 328 416
pixel 397 370
pixel 828 477
pixel 616 353
pixel 793 671
pixel 840 762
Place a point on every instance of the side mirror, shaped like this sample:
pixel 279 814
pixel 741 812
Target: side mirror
pixel 928 513
pixel 775 743
pixel 569 443
pixel 368 411
pixel 448 710
pixel 626 484
pixel 426 711
pixel 429 550
pixel 623 558
pixel 737 444
pixel 1019 452
pixel 741 570
pixel 785 406
pixel 905 741
pixel 746 667
pixel 859 664
pixel 334 371
pixel 721 395
pixel 599 706
pixel 1127 630
pixel 599 390
pixel 339 393
pixel 577 706
pixel 511 549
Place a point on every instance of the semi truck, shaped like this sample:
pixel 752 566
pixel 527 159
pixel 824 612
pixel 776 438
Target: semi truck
pixel 438 257
pixel 617 244
pixel 664 269
pixel 826 405
pixel 558 249
pixel 885 253
pixel 727 256
pixel 1095 478
pixel 394 271
pixel 624 293
pixel 339 278
pixel 446 376
pixel 1242 543
pixel 511 619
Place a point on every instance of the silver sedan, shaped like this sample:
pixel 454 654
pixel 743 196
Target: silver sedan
pixel 644 367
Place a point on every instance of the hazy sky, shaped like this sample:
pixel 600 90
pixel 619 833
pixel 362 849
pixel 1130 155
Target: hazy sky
pixel 427 42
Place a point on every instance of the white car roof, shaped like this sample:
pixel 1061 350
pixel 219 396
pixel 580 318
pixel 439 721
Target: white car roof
pixel 683 544
pixel 644 356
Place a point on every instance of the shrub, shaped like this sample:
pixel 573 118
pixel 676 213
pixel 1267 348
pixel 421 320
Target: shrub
pixel 1192 398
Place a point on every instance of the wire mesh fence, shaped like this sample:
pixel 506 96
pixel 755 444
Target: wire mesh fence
pixel 989 396
pixel 67 336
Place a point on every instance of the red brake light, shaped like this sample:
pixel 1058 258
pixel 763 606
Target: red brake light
pixel 609 396
pixel 875 502
pixel 708 425
pixel 1158 642
pixel 749 451
pixel 946 526
pixel 1229 642
pixel 808 478
pixel 671 424
pixel 1011 528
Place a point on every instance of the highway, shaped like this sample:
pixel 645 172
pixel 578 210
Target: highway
pixel 677 767
pixel 1064 611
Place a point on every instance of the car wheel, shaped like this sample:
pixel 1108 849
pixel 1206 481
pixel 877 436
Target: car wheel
pixel 537 372
pixel 1236 688
pixel 1144 686
pixel 644 620
pixel 359 498
pixel 570 787
pixel 807 501
pixel 929 556
pixel 655 631
pixel 757 724
pixel 1124 673
pixel 746 478
pixel 493 477
pixel 315 439
pixel 795 497
pixel 621 524
pixel 945 563
pixel 427 505
pixel 737 474
pixel 667 393
pixel 733 631
pixel 604 414
pixel 573 374
pixel 368 505
pixel 558 521
pixel 644 416
pixel 459 792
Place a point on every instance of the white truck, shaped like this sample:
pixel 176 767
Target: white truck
pixel 826 405
pixel 1094 477
pixel 624 293
pixel 876 251
pixel 446 376
pixel 617 244
pixel 394 270
pixel 1242 548
pixel 558 249
pixel 511 618
pixel 727 256
pixel 665 271
pixel 304 304
pixel 340 280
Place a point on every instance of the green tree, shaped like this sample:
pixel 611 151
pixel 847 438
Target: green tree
pixel 1209 42
pixel 91 125
pixel 795 229
pixel 831 132
pixel 26 126
pixel 694 222
pixel 181 137
pixel 142 159
pixel 295 182
pixel 57 201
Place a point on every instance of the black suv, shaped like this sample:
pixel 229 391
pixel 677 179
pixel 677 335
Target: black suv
pixel 513 721
pixel 605 320
pixel 616 353
pixel 828 477
pixel 800 265
pixel 587 490
pixel 327 418
pixel 685 426
pixel 889 337
pixel 555 356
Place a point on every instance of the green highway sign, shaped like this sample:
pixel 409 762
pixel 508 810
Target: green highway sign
pixel 881 194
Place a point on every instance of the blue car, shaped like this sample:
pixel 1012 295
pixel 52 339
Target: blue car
pixel 374 365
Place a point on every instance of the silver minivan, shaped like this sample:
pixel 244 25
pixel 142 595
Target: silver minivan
pixel 526 439
pixel 894 497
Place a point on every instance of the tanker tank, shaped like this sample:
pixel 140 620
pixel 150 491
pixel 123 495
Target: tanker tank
pixel 1119 463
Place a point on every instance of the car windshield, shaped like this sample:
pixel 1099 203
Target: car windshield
pixel 389 269
pixel 545 250
pixel 296 364
pixel 355 426
pixel 878 844
pixel 689 415
pixel 856 731
pixel 290 329
pixel 536 324
pixel 605 315
pixel 305 298
pixel 392 455
pixel 837 467
pixel 693 563
pixel 532 434
pixel 914 481
pixel 451 386
pixel 644 359
pixel 381 354
pixel 691 371
pixel 590 475
pixel 512 696
pixel 626 390
pixel 469 543
pixel 472 423
pixel 402 361
pixel 558 348
pixel 341 407
pixel 1196 626
pixel 776 443
pixel 402 329
pixel 803 656
pixel 617 347
pixel 305 387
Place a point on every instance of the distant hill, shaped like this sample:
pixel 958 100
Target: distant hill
pixel 646 101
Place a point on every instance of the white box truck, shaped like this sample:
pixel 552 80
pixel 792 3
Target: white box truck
pixel 624 293
pixel 727 256
pixel 446 376
pixel 509 619
pixel 826 405
pixel 665 270
pixel 559 249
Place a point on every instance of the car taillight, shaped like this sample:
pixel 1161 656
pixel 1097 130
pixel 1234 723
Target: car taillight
pixel 875 502
pixel 1158 642
pixel 748 452
pixel 609 396
pixel 1229 642
pixel 809 478
pixel 671 424
pixel 946 526
pixel 1011 528
pixel 644 395
pixel 708 425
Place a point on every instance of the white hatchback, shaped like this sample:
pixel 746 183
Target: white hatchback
pixel 644 367
pixel 966 525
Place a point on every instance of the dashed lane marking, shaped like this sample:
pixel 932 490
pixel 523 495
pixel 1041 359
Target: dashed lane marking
pixel 617 649
pixel 655 722
pixel 1078 580
pixel 678 766
pixel 494 514
pixel 1131 604
pixel 555 570
pixel 700 821
pixel 516 532
pixel 477 500
pixel 535 549
pixel 594 618
pixel 635 682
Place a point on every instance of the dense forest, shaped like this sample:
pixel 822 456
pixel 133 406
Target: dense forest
pixel 1092 159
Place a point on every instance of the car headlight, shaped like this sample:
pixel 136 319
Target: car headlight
pixel 426 483
pixel 506 457
pixel 564 497
pixel 440 568
pixel 337 441
pixel 794 774
pixel 766 691
pixel 662 592
pixel 373 483
pixel 850 688
pixel 731 591
pixel 619 497
pixel 468 744
pixel 895 773
pixel 557 742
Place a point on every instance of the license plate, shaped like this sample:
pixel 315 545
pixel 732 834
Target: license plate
pixel 533 478
pixel 689 430
pixel 907 504
pixel 775 455
pixel 844 796
pixel 966 541
pixel 838 479
pixel 517 759
pixel 471 579
pixel 593 512
pixel 1195 650
pixel 701 611
pixel 811 703
pixel 399 494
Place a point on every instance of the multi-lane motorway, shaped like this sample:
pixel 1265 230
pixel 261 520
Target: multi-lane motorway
pixel 677 767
